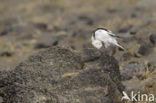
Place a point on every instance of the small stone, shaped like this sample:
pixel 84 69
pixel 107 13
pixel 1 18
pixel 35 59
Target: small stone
pixel 133 15
pixel 137 55
pixel 40 46
pixel 153 38
pixel 74 34
pixel 133 32
pixel 86 19
pixel 6 54
pixel 112 10
pixel 145 49
pixel 126 56
pixel 44 26
pixel 55 42
pixel 125 29
pixel 41 25
pixel 6 29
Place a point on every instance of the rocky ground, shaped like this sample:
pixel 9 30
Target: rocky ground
pixel 28 26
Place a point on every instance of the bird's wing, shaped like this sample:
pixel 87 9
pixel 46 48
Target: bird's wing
pixel 112 34
pixel 120 47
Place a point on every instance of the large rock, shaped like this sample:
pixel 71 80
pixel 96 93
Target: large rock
pixel 58 75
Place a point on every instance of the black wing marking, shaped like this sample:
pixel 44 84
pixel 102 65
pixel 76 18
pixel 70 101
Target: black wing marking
pixel 93 34
pixel 113 35
pixel 102 29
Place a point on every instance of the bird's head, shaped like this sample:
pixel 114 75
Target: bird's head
pixel 100 31
pixel 97 44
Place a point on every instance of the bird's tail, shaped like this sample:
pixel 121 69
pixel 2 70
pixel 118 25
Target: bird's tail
pixel 120 47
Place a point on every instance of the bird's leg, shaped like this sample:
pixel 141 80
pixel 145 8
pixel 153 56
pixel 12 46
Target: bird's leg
pixel 104 51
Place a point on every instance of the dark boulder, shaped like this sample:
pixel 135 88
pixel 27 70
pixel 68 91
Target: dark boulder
pixel 58 75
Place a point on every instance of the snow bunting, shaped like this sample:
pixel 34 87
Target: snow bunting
pixel 104 39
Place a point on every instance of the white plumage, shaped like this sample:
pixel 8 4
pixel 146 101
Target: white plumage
pixel 104 39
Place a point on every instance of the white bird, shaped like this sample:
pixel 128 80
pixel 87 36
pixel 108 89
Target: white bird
pixel 104 39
